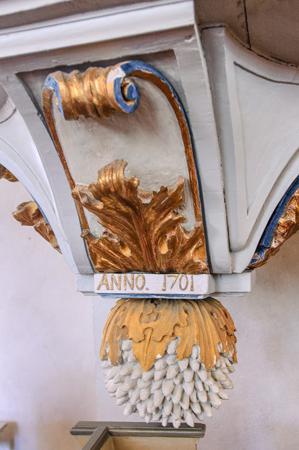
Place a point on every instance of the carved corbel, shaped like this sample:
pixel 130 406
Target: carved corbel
pixel 167 360
pixel 98 92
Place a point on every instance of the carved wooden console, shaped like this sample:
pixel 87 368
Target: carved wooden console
pixel 144 142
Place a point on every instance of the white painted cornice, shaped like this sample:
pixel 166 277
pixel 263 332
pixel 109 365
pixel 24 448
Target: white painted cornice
pixel 96 27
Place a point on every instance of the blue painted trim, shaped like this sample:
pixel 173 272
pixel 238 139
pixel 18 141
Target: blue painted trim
pixel 52 84
pixel 267 237
pixel 129 68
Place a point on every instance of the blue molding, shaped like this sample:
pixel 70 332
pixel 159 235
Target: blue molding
pixel 267 237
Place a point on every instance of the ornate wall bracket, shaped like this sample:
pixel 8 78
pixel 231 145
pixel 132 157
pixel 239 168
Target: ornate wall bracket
pixel 98 92
pixel 166 359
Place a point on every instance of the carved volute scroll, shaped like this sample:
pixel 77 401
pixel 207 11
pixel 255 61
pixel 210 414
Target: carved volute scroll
pixel 99 92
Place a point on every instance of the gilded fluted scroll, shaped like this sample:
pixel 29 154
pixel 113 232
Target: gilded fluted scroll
pixel 143 230
pixel 98 92
pixel 28 214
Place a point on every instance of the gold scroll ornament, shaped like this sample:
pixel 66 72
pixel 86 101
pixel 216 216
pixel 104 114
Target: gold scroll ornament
pixel 153 324
pixel 287 225
pixel 143 230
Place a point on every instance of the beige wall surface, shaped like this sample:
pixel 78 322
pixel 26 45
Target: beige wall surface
pixel 49 334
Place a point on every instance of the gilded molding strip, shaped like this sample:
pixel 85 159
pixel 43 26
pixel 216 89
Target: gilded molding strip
pixel 143 230
pixel 7 175
pixel 28 214
pixel 98 92
pixel 282 225
pixel 153 324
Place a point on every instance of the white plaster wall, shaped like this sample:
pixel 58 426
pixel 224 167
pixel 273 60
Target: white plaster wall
pixel 47 361
pixel 48 349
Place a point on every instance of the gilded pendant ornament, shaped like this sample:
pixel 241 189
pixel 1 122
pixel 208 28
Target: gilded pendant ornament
pixel 28 214
pixel 169 361
pixel 152 324
pixel 143 230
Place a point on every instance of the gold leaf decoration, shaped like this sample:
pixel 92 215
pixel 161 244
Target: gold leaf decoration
pixel 152 324
pixel 28 214
pixel 7 175
pixel 287 225
pixel 143 230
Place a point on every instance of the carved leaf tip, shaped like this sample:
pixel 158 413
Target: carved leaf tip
pixel 28 214
pixel 7 175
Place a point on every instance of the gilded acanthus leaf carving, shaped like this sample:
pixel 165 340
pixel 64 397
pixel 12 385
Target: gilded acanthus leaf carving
pixel 28 214
pixel 287 225
pixel 153 324
pixel 143 230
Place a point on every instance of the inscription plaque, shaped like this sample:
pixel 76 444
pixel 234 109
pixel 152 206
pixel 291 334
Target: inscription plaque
pixel 155 285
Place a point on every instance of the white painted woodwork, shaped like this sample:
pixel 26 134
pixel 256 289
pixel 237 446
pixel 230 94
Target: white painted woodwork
pixel 155 285
pixel 196 86
pixel 257 109
pixel 98 26
pixel 29 163
pixel 242 108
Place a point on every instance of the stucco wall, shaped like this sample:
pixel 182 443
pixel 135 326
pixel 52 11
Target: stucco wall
pixel 49 377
